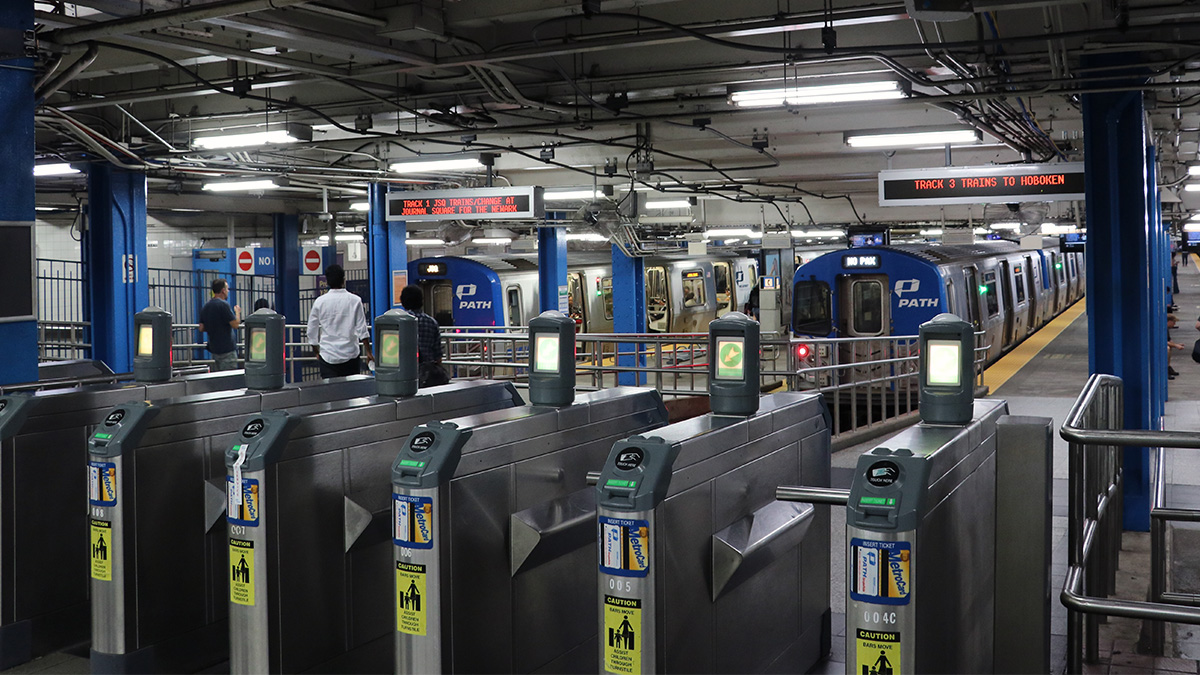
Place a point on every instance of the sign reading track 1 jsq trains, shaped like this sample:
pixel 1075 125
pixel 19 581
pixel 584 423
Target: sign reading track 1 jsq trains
pixel 982 184
pixel 472 204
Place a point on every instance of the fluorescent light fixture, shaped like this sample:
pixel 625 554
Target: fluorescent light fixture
pixel 732 241
pixel 493 240
pixel 910 139
pixel 669 204
pixel 59 169
pixel 1055 228
pixel 826 93
pixel 586 236
pixel 425 242
pixel 1006 226
pixel 1190 187
pixel 572 195
pixel 1192 227
pixel 1194 216
pixel 821 234
pixel 931 233
pixel 435 165
pixel 360 206
pixel 730 232
pixel 349 237
pixel 46 208
pixel 1194 170
pixel 240 185
pixel 980 230
pixel 293 133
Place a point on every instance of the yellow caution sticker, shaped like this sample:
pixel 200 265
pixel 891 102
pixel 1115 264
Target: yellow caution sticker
pixel 878 652
pixel 101 550
pixel 622 635
pixel 241 572
pixel 411 600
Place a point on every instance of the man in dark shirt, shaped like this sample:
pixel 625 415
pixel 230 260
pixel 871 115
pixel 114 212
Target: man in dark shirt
pixel 218 320
pixel 429 342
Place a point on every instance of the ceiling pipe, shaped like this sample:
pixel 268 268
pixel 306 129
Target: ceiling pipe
pixel 67 75
pixel 163 19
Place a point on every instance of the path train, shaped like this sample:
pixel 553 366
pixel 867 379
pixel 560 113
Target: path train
pixel 682 293
pixel 1007 291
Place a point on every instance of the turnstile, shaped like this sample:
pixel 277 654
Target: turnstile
pixel 700 568
pixel 43 560
pixel 155 491
pixel 309 587
pixel 492 534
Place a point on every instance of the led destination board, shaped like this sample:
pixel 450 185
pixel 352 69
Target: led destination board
pixel 981 185
pixel 472 204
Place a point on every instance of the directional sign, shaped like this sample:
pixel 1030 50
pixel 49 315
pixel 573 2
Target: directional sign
pixel 731 359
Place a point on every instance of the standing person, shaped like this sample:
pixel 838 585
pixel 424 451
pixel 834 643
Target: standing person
pixel 218 320
pixel 336 326
pixel 429 341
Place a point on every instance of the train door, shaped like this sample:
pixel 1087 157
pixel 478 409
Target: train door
pixel 1020 305
pixel 723 278
pixel 514 306
pixel 439 301
pixel 864 304
pixel 989 290
pixel 971 291
pixel 1034 305
pixel 658 300
pixel 576 308
pixel 1007 300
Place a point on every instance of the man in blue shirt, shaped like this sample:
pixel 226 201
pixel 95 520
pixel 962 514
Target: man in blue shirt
pixel 218 320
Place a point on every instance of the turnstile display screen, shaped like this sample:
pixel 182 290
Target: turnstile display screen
pixel 545 356
pixel 258 344
pixel 943 365
pixel 731 358
pixel 145 340
pixel 389 348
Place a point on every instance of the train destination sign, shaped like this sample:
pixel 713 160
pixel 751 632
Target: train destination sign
pixel 469 204
pixel 982 184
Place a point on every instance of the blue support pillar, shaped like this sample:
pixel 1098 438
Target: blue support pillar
pixel 115 251
pixel 552 269
pixel 388 252
pixel 629 311
pixel 287 266
pixel 1122 295
pixel 18 326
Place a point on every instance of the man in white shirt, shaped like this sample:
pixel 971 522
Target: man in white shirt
pixel 336 326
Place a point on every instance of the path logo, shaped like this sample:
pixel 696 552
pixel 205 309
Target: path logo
pixel 467 291
pixel 912 286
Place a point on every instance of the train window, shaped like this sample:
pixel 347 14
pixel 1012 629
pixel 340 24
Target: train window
pixel 515 317
pixel 1020 281
pixel 606 297
pixel 442 303
pixel 972 296
pixel 657 300
pixel 693 289
pixel 951 301
pixel 575 297
pixel 1074 272
pixel 989 291
pixel 811 308
pixel 868 308
pixel 724 288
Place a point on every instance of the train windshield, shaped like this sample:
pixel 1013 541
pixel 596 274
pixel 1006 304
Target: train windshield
pixel 811 313
pixel 868 308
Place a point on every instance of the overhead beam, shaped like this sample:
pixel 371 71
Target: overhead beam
pixel 163 19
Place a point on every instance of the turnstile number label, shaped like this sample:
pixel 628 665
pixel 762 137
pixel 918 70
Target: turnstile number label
pixel 101 549
pixel 102 483
pixel 622 635
pixel 624 547
pixel 411 600
pixel 413 519
pixel 882 571
pixel 242 505
pixel 241 572
pixel 878 652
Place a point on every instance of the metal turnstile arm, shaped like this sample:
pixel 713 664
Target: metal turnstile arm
pixel 812 494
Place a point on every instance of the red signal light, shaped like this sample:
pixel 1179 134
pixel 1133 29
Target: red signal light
pixel 803 351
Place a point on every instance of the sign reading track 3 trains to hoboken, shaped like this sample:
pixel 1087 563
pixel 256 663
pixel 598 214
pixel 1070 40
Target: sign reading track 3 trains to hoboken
pixel 982 184
pixel 467 204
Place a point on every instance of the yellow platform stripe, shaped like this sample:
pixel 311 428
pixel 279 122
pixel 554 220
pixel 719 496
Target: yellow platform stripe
pixel 1000 372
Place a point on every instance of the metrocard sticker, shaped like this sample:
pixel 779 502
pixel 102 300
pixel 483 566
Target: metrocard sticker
pixel 882 572
pixel 102 483
pixel 622 635
pixel 101 549
pixel 878 652
pixel 241 572
pixel 624 547
pixel 412 519
pixel 242 511
pixel 411 602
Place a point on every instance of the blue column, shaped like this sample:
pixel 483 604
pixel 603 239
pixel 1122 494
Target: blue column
pixel 388 250
pixel 629 310
pixel 115 250
pixel 552 267
pixel 287 266
pixel 1122 296
pixel 18 331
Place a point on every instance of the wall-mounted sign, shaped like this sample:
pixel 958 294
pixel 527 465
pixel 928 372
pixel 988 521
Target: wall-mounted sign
pixel 470 204
pixel 982 185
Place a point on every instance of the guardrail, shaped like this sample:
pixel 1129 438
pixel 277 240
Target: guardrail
pixel 64 340
pixel 1093 430
pixel 298 363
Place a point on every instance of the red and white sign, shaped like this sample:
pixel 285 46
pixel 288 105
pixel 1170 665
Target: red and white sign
pixel 245 261
pixel 310 260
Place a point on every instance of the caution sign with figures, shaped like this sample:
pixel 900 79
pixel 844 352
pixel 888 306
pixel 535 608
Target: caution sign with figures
pixel 241 572
pixel 101 549
pixel 102 483
pixel 622 639
pixel 878 652
pixel 411 601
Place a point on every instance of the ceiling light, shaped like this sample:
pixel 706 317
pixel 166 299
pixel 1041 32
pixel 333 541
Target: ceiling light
pixel 60 169
pixel 586 236
pixel 980 230
pixel 572 195
pixel 349 237
pixel 1192 187
pixel 826 93
pixel 293 133
pixel 931 233
pixel 425 242
pixel 726 233
pixel 1191 227
pixel 1005 226
pixel 1194 216
pixel 908 139
pixel 46 208
pixel 360 206
pixel 1194 170
pixel 434 165
pixel 240 185
pixel 825 234
pixel 493 240
pixel 669 204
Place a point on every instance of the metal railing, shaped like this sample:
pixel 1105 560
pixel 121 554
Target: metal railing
pixel 298 363
pixel 64 332
pixel 1094 432
pixel 64 340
